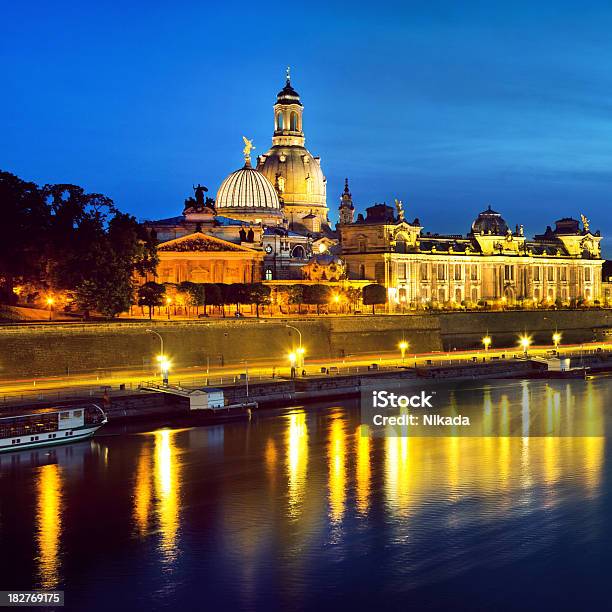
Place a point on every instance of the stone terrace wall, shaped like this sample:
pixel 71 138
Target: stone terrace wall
pixel 40 350
pixel 466 329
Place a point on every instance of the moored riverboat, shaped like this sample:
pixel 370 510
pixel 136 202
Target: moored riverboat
pixel 49 426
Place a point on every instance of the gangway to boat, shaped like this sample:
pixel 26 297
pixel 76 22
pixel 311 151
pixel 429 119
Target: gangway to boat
pixel 200 399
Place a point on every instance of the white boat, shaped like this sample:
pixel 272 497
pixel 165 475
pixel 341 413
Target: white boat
pixel 50 426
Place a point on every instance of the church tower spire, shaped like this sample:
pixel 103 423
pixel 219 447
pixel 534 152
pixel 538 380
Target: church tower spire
pixel 288 112
pixel 347 209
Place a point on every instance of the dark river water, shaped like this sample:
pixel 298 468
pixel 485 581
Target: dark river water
pixel 297 510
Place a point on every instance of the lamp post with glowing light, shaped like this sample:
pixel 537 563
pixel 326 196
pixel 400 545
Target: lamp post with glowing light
pixel 164 364
pixel 50 301
pixel 525 343
pixel 336 301
pixel 556 338
pixel 168 302
pixel 292 361
pixel 486 341
pixel 299 352
pixel 403 347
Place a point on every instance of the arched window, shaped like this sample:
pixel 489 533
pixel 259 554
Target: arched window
pixel 294 122
pixel 298 252
pixel 268 274
pixel 279 121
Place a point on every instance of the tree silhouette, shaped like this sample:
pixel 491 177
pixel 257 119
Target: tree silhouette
pixel 374 294
pixel 151 294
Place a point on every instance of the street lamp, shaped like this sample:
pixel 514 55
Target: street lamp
pixel 292 361
pixel 164 368
pixel 300 349
pixel 168 302
pixel 164 364
pixel 556 340
pixel 336 301
pixel 486 342
pixel 50 302
pixel 525 342
pixel 403 346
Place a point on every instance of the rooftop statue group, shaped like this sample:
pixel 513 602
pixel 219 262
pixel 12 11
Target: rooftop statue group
pixel 199 202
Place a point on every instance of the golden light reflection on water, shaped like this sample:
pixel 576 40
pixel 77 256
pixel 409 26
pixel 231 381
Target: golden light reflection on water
pixel 337 468
pixel 167 490
pixel 297 460
pixel 271 457
pixel 49 525
pixel 142 491
pixel 362 442
pixel 397 474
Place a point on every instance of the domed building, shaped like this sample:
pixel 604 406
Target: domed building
pixel 247 195
pixel 293 170
pixel 490 222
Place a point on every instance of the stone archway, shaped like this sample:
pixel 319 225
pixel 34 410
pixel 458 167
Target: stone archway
pixel 510 295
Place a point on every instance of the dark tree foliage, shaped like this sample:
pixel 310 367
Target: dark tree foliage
pixel 68 240
pixel 259 295
pixel 25 219
pixel 238 293
pixel 317 294
pixel 151 294
pixel 374 294
pixel 213 294
pixel 226 295
pixel 296 296
pixel 197 294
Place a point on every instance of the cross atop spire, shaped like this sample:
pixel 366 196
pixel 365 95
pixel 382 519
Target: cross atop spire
pixel 288 75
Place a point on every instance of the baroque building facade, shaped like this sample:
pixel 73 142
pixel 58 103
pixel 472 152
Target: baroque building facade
pixel 491 263
pixel 274 215
pixel 270 223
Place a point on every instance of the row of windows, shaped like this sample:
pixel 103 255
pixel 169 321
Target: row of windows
pixel 472 270
pixel 441 295
pixel 456 271
pixel 36 438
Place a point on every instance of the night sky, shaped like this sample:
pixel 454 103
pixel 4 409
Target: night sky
pixel 450 106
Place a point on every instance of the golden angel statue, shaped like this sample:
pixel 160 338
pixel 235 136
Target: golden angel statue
pixel 585 223
pixel 248 147
pixel 399 205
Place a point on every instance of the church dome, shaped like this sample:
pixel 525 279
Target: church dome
pixel 490 222
pixel 246 189
pixel 296 174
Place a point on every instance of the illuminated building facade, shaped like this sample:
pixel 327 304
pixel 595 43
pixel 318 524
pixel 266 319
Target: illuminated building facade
pixel 491 263
pixel 274 216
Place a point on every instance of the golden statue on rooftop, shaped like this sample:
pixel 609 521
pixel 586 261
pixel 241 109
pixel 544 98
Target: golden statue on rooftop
pixel 399 205
pixel 248 147
pixel 585 223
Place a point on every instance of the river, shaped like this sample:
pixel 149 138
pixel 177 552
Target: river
pixel 296 509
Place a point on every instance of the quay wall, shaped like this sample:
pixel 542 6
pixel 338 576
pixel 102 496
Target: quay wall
pixel 55 349
pixel 464 330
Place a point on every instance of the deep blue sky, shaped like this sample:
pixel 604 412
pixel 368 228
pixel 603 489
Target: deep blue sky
pixel 447 105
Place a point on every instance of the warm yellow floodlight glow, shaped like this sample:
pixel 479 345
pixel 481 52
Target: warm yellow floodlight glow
pixel 525 342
